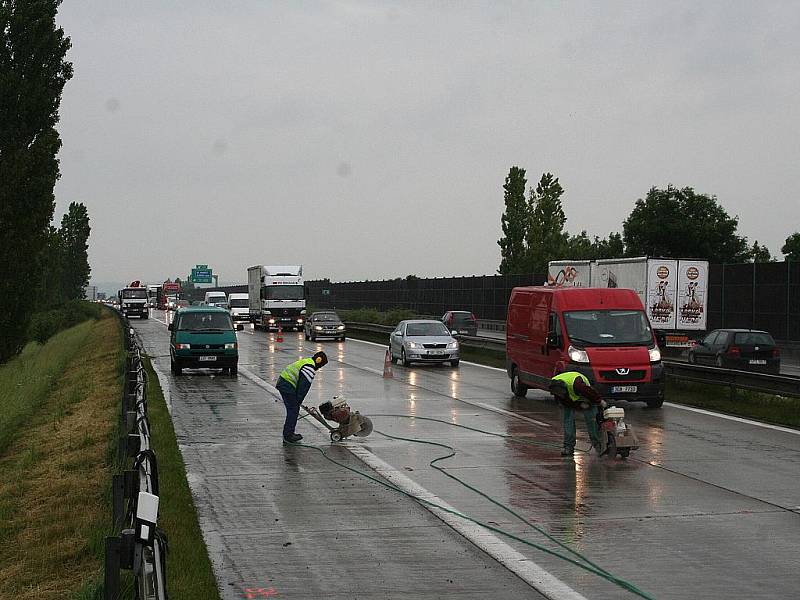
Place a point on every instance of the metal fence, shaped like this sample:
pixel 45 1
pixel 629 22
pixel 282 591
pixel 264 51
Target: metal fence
pixel 140 546
pixel 758 296
pixel 486 295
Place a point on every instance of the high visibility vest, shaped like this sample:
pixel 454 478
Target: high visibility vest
pixel 292 372
pixel 569 378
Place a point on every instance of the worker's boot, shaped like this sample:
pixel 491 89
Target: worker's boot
pixel 567 451
pixel 293 439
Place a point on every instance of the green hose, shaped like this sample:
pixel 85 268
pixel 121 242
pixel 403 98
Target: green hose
pixel 582 561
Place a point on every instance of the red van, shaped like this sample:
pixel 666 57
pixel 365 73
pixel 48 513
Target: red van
pixel 603 333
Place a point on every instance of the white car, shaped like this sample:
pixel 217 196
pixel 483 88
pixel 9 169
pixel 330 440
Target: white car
pixel 423 341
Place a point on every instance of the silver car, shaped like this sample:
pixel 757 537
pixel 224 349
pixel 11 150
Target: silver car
pixel 423 341
pixel 324 324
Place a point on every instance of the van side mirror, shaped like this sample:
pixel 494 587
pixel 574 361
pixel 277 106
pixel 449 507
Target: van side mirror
pixel 553 340
pixel 454 333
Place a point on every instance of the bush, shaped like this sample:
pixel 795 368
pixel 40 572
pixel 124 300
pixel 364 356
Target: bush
pixel 372 315
pixel 45 324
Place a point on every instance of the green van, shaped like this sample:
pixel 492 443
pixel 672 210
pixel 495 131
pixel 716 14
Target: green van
pixel 203 337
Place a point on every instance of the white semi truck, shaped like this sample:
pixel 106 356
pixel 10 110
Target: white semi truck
pixel 674 292
pixel 276 296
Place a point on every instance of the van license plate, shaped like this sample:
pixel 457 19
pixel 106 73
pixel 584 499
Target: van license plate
pixel 210 358
pixel 623 389
pixel 758 362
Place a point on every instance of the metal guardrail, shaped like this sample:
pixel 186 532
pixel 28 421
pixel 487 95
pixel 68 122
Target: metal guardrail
pixel 140 546
pixel 783 385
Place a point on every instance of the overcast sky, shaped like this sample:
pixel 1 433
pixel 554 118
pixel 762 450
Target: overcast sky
pixel 371 140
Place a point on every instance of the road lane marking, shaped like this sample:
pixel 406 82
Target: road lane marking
pixel 732 418
pixel 516 562
pixel 466 362
pixel 670 404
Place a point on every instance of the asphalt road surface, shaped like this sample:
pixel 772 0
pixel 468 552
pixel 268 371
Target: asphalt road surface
pixel 708 507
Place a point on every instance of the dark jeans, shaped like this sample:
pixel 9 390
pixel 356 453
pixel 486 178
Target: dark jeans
pixel 292 404
pixel 590 418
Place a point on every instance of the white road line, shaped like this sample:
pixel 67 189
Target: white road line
pixel 525 568
pixel 465 362
pixel 732 418
pixel 507 412
pixel 710 413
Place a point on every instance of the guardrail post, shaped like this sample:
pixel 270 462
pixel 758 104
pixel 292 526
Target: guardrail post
pixel 111 572
pixel 118 500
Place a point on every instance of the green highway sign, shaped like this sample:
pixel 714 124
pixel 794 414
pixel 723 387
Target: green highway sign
pixel 202 274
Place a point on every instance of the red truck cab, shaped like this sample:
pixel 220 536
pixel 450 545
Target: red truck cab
pixel 603 333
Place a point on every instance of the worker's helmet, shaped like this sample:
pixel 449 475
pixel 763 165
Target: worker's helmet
pixel 320 360
pixel 559 389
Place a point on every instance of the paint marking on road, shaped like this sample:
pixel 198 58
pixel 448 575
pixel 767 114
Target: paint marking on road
pixel 519 564
pixel 711 413
pixel 507 412
pixel 464 362
pixel 670 404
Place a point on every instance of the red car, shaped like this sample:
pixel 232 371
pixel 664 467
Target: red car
pixel 603 333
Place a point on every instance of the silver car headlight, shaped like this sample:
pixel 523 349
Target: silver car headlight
pixel 577 355
pixel 340 328
pixel 452 345
pixel 655 354
pixel 318 327
pixel 414 345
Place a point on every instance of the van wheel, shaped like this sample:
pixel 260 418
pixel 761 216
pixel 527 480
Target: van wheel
pixel 176 370
pixel 234 370
pixel 519 389
pixel 655 403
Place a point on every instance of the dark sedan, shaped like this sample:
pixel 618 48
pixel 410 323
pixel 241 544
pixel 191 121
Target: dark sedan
pixel 745 349
pixel 461 321
pixel 324 324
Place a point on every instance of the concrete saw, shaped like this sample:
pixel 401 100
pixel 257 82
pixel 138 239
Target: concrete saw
pixel 348 422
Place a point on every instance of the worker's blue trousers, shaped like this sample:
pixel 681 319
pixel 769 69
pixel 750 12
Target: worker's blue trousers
pixel 292 404
pixel 589 416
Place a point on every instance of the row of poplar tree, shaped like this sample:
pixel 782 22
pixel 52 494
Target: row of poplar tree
pixel 41 266
pixel 671 222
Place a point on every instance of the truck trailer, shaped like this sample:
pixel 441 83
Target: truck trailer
pixel 276 296
pixel 674 292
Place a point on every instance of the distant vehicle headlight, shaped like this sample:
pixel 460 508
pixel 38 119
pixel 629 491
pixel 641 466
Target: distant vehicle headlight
pixel 655 354
pixel 452 345
pixel 340 327
pixel 300 321
pixel 318 327
pixel 577 355
pixel 272 321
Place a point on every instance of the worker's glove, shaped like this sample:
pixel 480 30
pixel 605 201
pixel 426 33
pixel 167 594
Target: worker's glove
pixel 603 404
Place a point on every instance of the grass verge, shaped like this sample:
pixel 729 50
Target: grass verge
pixel 780 410
pixel 58 421
pixel 189 572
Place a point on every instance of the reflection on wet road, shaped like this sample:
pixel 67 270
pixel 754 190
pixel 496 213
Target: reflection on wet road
pixel 706 508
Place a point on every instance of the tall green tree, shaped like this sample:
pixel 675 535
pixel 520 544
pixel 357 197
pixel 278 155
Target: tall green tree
pixel 581 247
pixel 760 254
pixel 514 222
pixel 545 236
pixel 791 248
pixel 680 222
pixel 74 237
pixel 33 72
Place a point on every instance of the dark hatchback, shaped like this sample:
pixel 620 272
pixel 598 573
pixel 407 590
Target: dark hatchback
pixel 744 349
pixel 461 321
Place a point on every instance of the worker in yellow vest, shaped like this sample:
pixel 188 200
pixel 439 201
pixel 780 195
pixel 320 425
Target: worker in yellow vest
pixel 574 392
pixel 293 384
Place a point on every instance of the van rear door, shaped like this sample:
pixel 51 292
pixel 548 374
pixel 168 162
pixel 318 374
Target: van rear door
pixel 539 367
pixel 517 334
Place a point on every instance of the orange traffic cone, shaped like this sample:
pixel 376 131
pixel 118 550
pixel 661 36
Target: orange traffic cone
pixel 280 334
pixel 387 365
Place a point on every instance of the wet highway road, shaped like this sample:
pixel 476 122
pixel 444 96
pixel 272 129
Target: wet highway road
pixel 708 507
